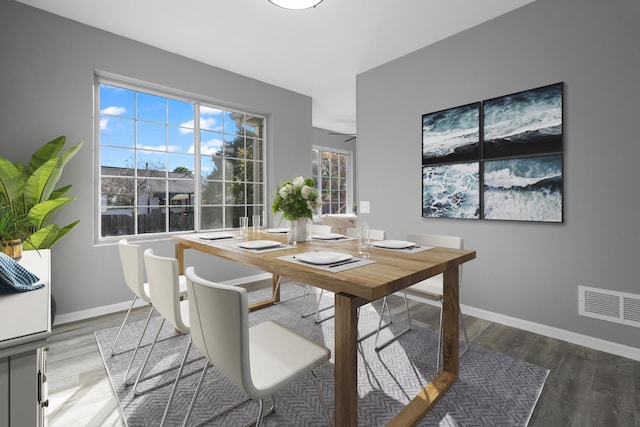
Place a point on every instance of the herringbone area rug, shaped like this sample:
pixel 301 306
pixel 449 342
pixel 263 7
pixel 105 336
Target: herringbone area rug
pixel 493 389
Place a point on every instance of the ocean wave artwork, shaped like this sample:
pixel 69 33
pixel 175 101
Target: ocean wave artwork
pixel 451 135
pixel 525 189
pixel 524 123
pixel 451 191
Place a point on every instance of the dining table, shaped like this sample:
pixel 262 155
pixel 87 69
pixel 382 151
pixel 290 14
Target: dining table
pixel 384 272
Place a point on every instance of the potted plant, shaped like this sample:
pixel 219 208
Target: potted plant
pixel 30 190
pixel 12 232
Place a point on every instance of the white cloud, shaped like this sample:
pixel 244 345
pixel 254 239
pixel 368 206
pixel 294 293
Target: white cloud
pixel 210 147
pixel 104 122
pixel 113 111
pixel 205 111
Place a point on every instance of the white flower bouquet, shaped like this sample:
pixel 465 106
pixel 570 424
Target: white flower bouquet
pixel 296 199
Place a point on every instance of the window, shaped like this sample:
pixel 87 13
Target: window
pixel 331 170
pixel 170 164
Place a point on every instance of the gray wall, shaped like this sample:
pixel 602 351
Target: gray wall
pixel 47 67
pixel 524 270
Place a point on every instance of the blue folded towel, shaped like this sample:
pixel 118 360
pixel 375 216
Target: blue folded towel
pixel 15 278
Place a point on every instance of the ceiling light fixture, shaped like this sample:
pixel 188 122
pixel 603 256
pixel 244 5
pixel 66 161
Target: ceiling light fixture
pixel 296 4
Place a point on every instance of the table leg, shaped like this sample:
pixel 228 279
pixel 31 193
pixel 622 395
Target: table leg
pixel 179 251
pixel 451 321
pixel 346 360
pixel 411 414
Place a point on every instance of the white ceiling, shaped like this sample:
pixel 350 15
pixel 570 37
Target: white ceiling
pixel 317 52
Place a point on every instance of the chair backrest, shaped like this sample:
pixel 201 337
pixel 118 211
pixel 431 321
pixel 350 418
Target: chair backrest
pixel 164 288
pixel 373 234
pixel 320 229
pixel 220 327
pixel 337 223
pixel 133 268
pixel 441 240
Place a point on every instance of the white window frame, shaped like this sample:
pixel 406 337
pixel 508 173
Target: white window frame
pixel 350 183
pixel 137 86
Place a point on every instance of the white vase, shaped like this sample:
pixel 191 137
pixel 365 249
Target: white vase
pixel 301 229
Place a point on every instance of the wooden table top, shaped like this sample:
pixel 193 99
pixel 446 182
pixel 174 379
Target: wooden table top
pixel 391 271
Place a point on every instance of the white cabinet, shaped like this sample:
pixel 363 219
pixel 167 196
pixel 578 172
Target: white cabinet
pixel 25 325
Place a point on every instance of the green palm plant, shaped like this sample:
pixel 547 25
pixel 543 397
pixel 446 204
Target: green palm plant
pixel 30 190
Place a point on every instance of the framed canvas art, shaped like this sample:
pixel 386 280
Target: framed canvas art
pixel 451 190
pixel 524 189
pixel 524 123
pixel 451 135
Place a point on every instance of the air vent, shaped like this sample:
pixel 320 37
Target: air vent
pixel 613 306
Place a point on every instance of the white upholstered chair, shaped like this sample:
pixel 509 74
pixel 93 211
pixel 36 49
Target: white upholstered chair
pixel 337 224
pixel 351 232
pixel 259 360
pixel 431 288
pixel 163 278
pixel 132 261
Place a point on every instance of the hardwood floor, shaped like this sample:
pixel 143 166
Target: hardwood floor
pixel 585 387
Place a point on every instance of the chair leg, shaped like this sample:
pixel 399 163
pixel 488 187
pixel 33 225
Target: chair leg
pixel 135 352
pixel 306 291
pixel 126 316
pixel 175 384
pixel 195 396
pixel 379 347
pixel 380 326
pixel 316 317
pixel 260 413
pixel 146 359
pixel 316 381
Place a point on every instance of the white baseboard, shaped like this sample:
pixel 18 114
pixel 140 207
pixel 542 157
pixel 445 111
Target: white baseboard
pixel 537 328
pixel 548 331
pixel 122 306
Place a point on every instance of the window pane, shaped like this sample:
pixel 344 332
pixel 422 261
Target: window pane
pixel 211 217
pixel 151 108
pixel 151 163
pixel 151 192
pixel 234 193
pixel 117 222
pixel 254 126
pixel 151 219
pixel 234 170
pixel 181 218
pixel 211 192
pixel 116 101
pixel 233 123
pixel 211 143
pixel 117 158
pixel 234 146
pixel 151 136
pixel 181 113
pixel 211 167
pixel 181 165
pixel 255 149
pixel 211 118
pixel 232 216
pixel 117 191
pixel 116 131
pixel 181 140
pixel 255 194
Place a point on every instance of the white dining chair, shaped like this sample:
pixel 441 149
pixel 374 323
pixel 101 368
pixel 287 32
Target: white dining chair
pixel 431 288
pixel 351 233
pixel 315 229
pixel 259 360
pixel 337 224
pixel 163 276
pixel 132 261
